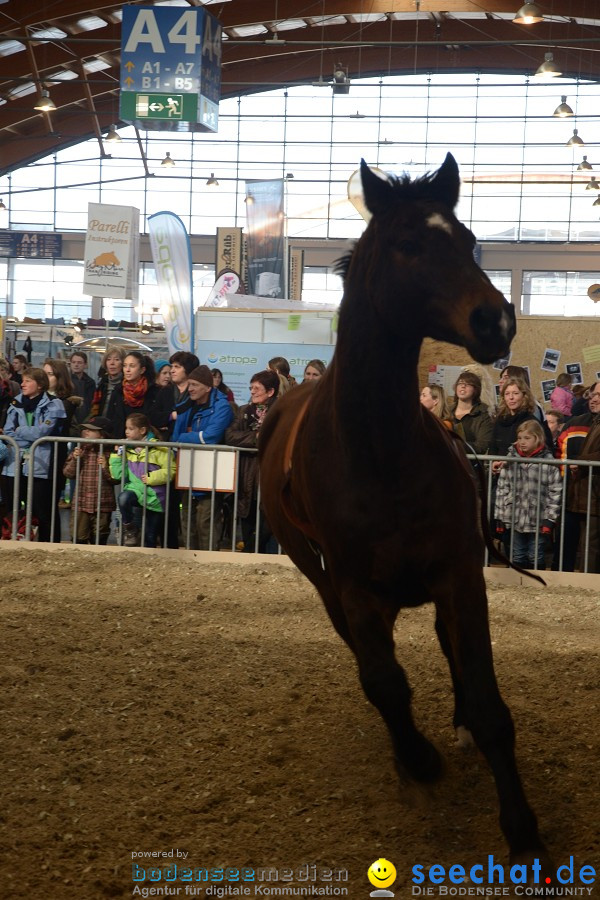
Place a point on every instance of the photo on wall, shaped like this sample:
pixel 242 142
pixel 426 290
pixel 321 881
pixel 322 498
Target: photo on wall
pixel 574 370
pixel 547 388
pixel 550 360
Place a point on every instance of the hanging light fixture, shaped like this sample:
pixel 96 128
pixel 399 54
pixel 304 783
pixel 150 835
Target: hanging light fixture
pixel 212 181
pixel 563 110
pixel 167 162
pixel 529 14
pixel 575 140
pixel 113 136
pixel 146 328
pixel 45 103
pixel 592 184
pixel 596 201
pixel 341 82
pixel 2 205
pixel 548 68
pixel 584 164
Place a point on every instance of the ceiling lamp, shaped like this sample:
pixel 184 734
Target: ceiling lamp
pixel 584 164
pixel 146 328
pixel 592 184
pixel 78 326
pixel 113 136
pixel 529 14
pixel 563 110
pixel 575 140
pixel 596 201
pixel 548 68
pixel 45 103
pixel 2 204
pixel 212 181
pixel 167 162
pixel 341 82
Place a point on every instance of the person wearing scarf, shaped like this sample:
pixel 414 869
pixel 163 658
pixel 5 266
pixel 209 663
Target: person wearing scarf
pixel 243 432
pixel 34 414
pixel 112 376
pixel 519 486
pixel 137 392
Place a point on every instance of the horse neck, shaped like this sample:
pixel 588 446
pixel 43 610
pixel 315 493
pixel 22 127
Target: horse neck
pixel 375 378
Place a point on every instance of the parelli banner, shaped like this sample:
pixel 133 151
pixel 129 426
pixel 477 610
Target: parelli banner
pixel 172 256
pixel 112 251
pixel 264 228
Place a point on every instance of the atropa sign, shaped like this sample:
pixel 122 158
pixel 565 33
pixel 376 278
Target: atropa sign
pixel 170 67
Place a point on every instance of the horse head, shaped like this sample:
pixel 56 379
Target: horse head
pixel 421 257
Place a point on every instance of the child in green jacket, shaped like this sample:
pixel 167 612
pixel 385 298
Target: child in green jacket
pixel 147 472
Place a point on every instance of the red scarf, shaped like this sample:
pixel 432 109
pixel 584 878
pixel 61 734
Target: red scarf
pixel 135 394
pixel 536 452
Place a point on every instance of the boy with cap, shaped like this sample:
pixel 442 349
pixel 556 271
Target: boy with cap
pixel 88 464
pixel 204 422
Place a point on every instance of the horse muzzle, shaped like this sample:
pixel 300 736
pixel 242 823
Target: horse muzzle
pixel 493 329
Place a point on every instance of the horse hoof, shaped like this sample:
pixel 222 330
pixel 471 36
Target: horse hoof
pixel 423 764
pixel 464 738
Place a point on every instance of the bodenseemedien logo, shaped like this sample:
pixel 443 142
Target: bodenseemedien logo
pixel 381 874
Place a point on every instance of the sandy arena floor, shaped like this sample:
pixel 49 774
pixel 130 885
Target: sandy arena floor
pixel 152 704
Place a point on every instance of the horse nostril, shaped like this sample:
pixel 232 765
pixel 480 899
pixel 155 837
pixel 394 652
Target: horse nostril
pixel 485 321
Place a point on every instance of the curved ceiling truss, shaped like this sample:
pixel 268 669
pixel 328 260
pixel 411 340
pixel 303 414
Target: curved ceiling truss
pixel 71 48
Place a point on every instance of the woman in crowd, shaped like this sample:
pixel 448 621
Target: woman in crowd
pixel 521 372
pixel 112 369
pixel 8 389
pixel 220 385
pixel 61 386
pixel 137 393
pixel 469 416
pixel 32 415
pixel 281 367
pixel 433 398
pixel 243 432
pixel 517 405
pixel 314 370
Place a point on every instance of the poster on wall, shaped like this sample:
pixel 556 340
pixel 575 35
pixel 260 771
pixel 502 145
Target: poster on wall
pixel 112 252
pixel 264 225
pixel 574 370
pixel 550 360
pixel 547 388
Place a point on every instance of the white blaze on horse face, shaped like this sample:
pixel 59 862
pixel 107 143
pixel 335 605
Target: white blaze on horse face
pixel 436 220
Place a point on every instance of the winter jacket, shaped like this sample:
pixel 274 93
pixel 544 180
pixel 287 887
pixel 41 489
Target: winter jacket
pixel 84 387
pixel 243 432
pixel 580 439
pixel 204 424
pixel 518 484
pixel 117 410
pixel 47 420
pixel 86 489
pixel 504 433
pixel 562 400
pixel 475 427
pixel 144 460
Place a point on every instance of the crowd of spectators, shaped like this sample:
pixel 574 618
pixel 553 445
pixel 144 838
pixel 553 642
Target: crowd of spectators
pixel 145 402
pixel 526 505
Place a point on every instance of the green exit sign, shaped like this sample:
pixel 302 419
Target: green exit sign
pixel 168 107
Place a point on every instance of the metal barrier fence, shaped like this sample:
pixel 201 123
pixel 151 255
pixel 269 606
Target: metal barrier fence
pixel 207 477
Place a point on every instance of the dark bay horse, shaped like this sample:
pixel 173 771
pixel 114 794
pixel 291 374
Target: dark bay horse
pixel 373 499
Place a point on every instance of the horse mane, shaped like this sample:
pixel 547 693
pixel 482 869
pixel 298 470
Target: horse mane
pixel 404 188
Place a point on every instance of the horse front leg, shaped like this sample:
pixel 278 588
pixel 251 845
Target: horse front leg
pixel 371 624
pixel 464 617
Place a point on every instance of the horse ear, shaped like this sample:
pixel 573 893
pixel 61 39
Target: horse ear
pixel 445 183
pixel 377 192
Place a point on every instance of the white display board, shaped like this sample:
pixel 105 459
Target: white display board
pixel 196 468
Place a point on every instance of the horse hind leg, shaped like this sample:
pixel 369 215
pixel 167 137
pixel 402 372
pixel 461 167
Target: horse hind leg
pixel 386 686
pixel 464 619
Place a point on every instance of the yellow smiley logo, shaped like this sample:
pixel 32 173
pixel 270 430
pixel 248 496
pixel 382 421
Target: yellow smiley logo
pixel 382 873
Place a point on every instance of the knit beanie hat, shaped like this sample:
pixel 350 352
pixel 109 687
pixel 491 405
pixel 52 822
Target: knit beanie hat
pixel 201 374
pixel 160 364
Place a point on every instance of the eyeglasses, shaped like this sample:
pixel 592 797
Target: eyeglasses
pixel 595 394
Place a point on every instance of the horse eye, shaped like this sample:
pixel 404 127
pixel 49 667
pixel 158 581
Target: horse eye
pixel 411 248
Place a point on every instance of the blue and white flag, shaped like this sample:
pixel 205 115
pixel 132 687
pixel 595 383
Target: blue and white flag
pixel 172 256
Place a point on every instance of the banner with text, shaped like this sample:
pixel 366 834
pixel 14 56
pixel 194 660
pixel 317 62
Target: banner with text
pixel 172 256
pixel 112 252
pixel 264 225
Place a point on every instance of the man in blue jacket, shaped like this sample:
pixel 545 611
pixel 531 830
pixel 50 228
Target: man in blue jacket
pixel 204 422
